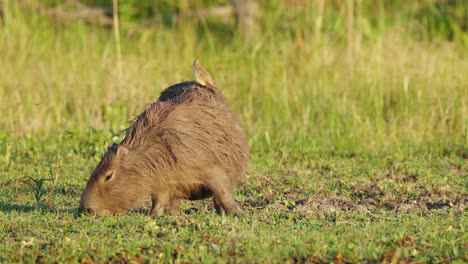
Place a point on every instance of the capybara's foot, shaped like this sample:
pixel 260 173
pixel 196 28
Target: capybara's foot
pixel 160 202
pixel 217 205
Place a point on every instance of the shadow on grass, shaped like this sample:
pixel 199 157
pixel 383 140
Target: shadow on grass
pixel 9 207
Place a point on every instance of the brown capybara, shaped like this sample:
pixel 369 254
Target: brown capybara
pixel 187 145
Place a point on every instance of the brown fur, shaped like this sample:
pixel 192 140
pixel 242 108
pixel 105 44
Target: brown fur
pixel 187 145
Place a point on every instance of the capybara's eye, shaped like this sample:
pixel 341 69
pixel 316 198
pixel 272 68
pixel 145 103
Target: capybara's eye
pixel 108 177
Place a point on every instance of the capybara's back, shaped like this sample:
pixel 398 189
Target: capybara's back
pixel 187 145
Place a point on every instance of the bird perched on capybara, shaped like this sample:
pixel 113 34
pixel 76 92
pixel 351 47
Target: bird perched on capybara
pixel 186 145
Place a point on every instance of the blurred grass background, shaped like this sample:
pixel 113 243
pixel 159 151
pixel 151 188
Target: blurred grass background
pixel 366 75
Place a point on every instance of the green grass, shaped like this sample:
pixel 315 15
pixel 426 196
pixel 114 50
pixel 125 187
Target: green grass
pixel 354 157
pixel 407 203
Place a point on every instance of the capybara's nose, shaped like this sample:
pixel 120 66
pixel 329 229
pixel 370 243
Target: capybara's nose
pixel 87 207
pixel 88 211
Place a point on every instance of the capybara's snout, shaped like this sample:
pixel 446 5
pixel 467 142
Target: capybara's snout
pixel 86 207
pixel 90 206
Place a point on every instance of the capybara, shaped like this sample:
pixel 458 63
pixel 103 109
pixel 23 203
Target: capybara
pixel 186 145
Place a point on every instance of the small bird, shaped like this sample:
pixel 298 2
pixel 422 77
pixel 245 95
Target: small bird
pixel 201 75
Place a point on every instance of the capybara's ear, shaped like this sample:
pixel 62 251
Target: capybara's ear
pixel 122 152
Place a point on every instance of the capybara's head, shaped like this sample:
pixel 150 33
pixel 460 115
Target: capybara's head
pixel 111 187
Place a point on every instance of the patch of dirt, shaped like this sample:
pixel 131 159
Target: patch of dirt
pixel 369 199
pixel 368 192
pixel 427 203
pixel 322 204
pixel 327 205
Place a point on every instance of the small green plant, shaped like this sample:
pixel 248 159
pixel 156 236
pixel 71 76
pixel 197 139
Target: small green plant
pixel 38 189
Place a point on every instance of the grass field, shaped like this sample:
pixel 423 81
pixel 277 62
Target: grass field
pixel 359 139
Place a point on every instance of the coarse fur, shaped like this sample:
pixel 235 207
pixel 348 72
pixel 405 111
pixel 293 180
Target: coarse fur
pixel 186 145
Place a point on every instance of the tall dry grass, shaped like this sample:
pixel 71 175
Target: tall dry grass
pixel 288 88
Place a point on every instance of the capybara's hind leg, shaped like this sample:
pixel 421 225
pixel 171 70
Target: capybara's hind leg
pixel 217 205
pixel 227 201
pixel 219 182
pixel 160 202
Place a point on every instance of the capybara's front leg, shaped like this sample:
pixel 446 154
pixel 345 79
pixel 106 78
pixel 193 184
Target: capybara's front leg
pixel 160 202
pixel 174 206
